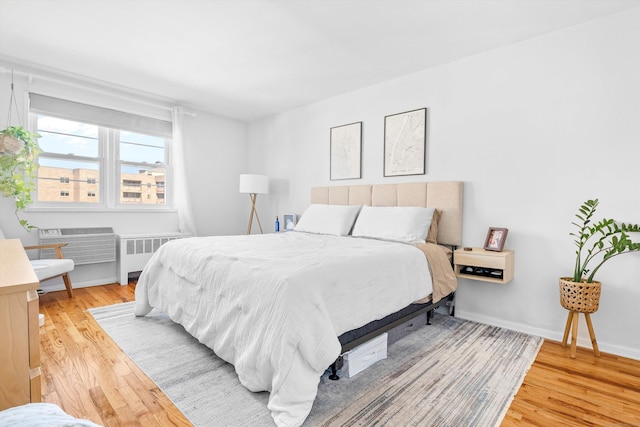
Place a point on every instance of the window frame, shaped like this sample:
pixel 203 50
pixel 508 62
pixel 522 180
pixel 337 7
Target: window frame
pixel 109 164
pixel 99 160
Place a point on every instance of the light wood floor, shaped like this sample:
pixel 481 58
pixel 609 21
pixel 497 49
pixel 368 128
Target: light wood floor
pixel 88 375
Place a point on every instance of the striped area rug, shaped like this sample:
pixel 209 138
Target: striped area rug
pixel 451 373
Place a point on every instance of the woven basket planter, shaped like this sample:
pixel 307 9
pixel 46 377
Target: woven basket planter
pixel 10 144
pixel 579 296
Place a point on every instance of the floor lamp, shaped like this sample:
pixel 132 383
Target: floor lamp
pixel 254 185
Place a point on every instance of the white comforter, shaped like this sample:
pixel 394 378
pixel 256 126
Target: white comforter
pixel 273 305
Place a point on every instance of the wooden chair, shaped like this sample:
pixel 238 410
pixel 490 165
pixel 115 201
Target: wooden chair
pixel 46 269
pixel 50 268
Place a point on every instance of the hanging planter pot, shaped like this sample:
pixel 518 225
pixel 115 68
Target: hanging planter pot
pixel 9 144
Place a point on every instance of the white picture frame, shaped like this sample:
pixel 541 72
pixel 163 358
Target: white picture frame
pixel 289 221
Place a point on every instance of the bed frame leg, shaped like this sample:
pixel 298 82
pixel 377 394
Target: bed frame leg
pixel 452 304
pixel 335 366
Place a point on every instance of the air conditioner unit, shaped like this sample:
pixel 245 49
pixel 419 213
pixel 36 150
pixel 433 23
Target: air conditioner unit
pixel 134 250
pixel 86 245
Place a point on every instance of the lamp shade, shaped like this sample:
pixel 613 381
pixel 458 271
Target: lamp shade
pixel 250 183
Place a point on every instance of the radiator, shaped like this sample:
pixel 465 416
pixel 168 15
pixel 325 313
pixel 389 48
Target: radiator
pixel 87 245
pixel 134 250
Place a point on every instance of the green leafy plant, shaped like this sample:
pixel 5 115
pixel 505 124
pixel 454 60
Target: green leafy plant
pixel 605 237
pixel 18 171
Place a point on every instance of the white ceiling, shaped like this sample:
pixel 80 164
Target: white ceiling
pixel 248 59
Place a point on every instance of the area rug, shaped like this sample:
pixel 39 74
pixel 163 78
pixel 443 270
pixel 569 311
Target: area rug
pixel 450 373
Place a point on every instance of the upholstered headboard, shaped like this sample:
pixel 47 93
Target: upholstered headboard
pixel 445 196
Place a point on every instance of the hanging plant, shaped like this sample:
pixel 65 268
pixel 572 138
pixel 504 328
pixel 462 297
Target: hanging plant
pixel 19 170
pixel 19 152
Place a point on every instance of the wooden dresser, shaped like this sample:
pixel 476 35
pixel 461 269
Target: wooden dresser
pixel 19 327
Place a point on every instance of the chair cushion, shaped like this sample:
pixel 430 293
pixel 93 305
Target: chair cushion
pixel 46 268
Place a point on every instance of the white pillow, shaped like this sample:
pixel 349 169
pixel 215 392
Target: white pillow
pixel 403 224
pixel 328 219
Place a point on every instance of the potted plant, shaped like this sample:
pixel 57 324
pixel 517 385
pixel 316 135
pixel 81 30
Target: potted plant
pixel 597 243
pixel 18 167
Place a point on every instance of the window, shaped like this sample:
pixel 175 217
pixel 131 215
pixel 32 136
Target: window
pixel 142 167
pixel 130 195
pixel 131 183
pixel 98 157
pixel 70 154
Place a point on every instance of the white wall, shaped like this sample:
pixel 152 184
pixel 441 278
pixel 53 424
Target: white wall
pixel 533 130
pixel 215 156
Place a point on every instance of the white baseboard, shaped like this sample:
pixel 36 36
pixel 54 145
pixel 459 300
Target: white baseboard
pixel 546 333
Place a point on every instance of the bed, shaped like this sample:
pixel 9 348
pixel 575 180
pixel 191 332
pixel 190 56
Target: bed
pixel 282 307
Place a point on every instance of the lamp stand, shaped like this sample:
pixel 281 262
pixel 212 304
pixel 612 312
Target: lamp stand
pixel 253 197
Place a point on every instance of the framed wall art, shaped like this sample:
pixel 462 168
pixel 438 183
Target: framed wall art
pixel 405 136
pixel 346 151
pixel 495 239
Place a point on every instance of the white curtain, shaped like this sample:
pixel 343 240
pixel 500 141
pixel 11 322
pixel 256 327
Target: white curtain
pixel 186 222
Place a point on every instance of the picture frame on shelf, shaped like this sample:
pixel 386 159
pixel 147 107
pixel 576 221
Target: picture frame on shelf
pixel 289 221
pixel 496 237
pixel 405 139
pixel 345 146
